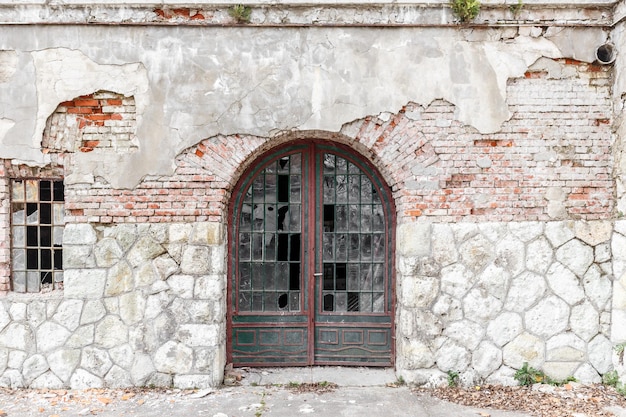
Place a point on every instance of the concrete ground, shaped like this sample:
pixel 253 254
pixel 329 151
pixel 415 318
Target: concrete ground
pixel 263 392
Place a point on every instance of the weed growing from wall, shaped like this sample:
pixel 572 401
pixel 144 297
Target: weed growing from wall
pixel 465 10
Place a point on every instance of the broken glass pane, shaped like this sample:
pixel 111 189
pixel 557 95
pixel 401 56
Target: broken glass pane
pixel 283 301
pixel 340 276
pixel 329 277
pixel 19 213
pixel 271 217
pixel 58 259
pixel 46 259
pixel 58 277
pixel 32 214
pixel 45 191
pixel 294 276
pixel 17 191
pixel 45 212
pixel 329 218
pixel 258 217
pixel 32 236
pixel 45 236
pixel 32 259
pixel 329 302
pixel 59 191
pixel 283 164
pixel 32 191
pixel 283 188
pixel 283 218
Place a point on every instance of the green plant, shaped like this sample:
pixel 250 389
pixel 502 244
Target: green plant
pixel 400 381
pixel 527 375
pixel 611 378
pixel 453 379
pixel 240 13
pixel 465 10
pixel 516 8
pixel 292 384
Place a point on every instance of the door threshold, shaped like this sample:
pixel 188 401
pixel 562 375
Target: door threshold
pixel 347 376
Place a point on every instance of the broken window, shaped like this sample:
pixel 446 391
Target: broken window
pixel 270 239
pixel 37 208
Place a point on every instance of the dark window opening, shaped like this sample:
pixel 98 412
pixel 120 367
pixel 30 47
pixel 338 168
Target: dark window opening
pixel 36 235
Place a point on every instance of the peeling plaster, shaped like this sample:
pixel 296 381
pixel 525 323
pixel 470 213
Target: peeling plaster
pixel 191 84
pixel 8 65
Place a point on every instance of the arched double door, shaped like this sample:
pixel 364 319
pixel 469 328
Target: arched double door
pixel 310 273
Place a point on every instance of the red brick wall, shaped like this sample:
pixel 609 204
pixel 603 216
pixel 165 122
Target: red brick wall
pixel 558 137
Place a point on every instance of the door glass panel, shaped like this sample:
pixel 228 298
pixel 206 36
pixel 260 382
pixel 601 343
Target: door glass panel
pixel 269 239
pixel 354 242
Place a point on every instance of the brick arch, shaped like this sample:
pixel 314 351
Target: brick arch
pixel 226 158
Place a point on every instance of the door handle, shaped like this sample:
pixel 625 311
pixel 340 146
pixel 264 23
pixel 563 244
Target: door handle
pixel 318 274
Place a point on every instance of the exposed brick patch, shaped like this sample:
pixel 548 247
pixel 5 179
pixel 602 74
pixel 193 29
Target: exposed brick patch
pixel 101 120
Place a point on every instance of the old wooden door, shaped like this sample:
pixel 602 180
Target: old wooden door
pixel 310 274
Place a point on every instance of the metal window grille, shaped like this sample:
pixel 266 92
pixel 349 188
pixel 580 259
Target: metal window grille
pixel 37 219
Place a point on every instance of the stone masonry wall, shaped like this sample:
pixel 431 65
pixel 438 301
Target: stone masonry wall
pixel 482 299
pixel 142 305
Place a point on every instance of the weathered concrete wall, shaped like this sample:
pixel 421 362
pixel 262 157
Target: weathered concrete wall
pixel 240 83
